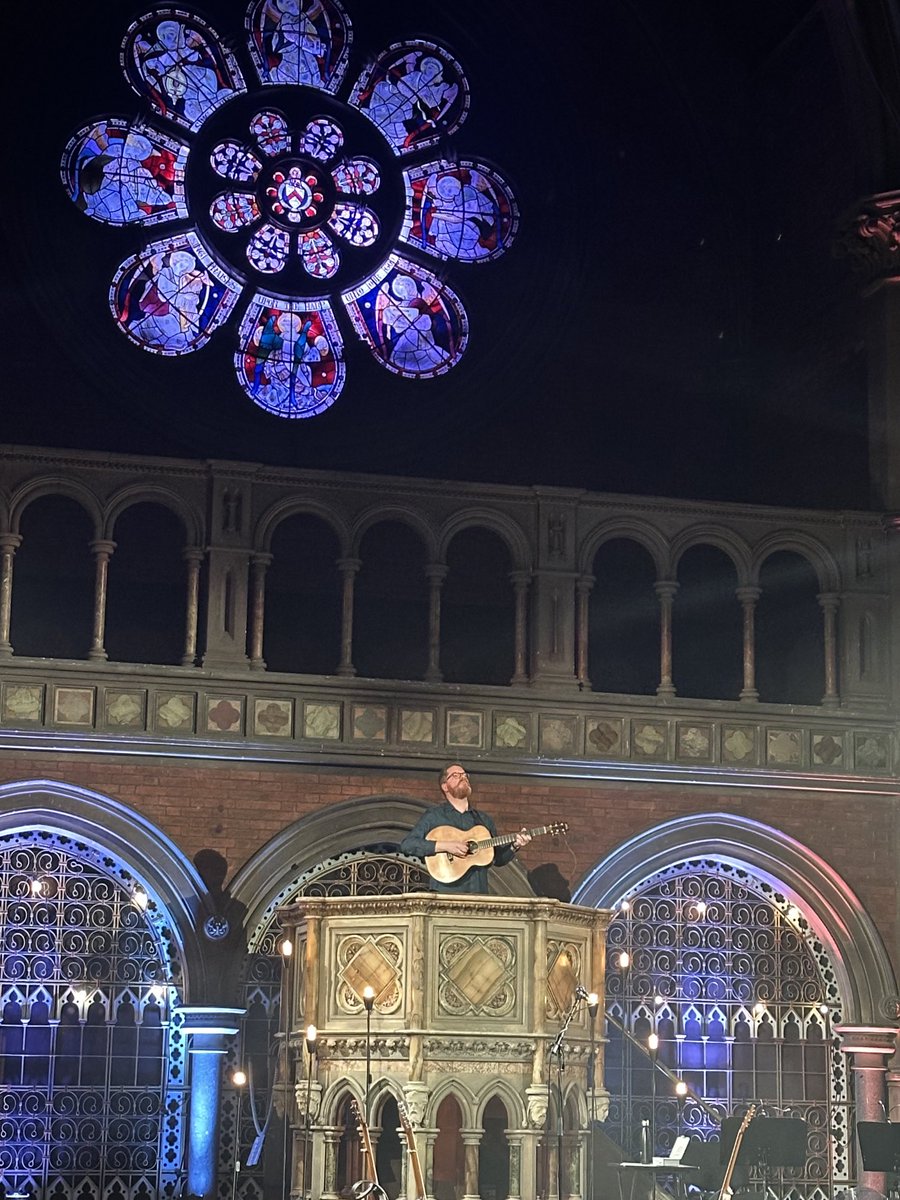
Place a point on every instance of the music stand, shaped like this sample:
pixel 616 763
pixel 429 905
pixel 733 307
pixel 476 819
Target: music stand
pixel 879 1144
pixel 769 1143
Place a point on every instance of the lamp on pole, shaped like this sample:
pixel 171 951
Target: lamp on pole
pixel 368 998
pixel 287 949
pixel 239 1080
pixel 653 1047
pixel 593 1007
pixel 311 1035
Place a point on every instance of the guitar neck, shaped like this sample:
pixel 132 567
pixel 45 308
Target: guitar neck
pixel 507 839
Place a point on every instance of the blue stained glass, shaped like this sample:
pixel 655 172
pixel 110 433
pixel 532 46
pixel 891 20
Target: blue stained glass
pixel 414 324
pixel 290 360
pixel 124 173
pixel 268 249
pixel 300 42
pixel 357 176
pixel 297 195
pixel 180 65
pixel 461 210
pixel 415 93
pixel 271 132
pixel 171 297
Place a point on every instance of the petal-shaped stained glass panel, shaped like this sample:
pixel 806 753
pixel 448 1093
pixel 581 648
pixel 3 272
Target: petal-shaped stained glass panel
pixel 268 249
pixel 356 177
pixel 271 132
pixel 291 356
pixel 414 324
pixel 461 210
pixel 124 173
pixel 321 139
pixel 180 65
pixel 355 224
pixel 415 92
pixel 300 41
pixel 320 257
pixel 233 161
pixel 171 296
pixel 233 211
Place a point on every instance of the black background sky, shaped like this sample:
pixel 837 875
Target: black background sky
pixel 670 320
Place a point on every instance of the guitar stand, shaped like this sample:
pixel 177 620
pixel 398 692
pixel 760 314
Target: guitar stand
pixel 769 1145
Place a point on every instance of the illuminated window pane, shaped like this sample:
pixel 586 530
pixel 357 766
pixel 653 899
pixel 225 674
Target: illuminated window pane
pixel 290 360
pixel 300 42
pixel 463 211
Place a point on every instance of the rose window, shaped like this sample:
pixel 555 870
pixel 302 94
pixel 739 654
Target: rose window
pixel 304 206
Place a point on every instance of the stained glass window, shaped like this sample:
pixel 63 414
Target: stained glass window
pixel 285 186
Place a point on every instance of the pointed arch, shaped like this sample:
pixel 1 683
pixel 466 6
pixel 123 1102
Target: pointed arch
pixel 858 955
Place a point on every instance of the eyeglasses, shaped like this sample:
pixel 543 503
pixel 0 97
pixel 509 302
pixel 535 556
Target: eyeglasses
pixel 458 775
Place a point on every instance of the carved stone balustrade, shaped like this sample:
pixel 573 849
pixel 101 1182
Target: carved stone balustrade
pixel 471 994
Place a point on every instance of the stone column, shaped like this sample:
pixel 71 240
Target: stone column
pixel 471 1145
pixel 748 597
pixel 665 590
pixel 348 568
pixel 228 566
pixel 520 581
pixel 9 543
pixel 331 1135
pixel 207 1029
pixel 193 557
pixel 514 1140
pixel 868 1047
pixel 258 566
pixel 435 573
pixel 430 1136
pixel 102 550
pixel 829 602
pixel 583 589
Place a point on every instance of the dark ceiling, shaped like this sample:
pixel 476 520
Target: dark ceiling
pixel 670 320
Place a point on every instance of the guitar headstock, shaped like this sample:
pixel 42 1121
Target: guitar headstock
pixel 558 828
pixel 405 1118
pixel 748 1117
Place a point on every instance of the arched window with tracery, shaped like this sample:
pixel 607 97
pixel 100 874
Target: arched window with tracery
pixel 92 1057
pixel 730 977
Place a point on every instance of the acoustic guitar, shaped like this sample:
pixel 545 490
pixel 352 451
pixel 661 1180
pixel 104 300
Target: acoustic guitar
pixel 447 868
pixel 725 1193
pixel 368 1187
pixel 415 1164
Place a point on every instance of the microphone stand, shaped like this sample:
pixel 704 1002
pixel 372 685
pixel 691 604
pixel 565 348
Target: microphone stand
pixel 556 1050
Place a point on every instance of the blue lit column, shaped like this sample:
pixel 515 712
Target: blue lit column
pixel 207 1028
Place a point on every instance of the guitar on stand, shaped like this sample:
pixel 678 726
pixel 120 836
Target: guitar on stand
pixel 368 1187
pixel 414 1163
pixel 725 1192
pixel 448 868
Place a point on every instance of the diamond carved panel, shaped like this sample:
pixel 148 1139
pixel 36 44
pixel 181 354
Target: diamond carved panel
pixel 375 962
pixel 477 975
pixel 563 975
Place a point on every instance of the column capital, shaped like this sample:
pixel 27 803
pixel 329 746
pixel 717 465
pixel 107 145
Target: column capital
pixel 868 1039
pixel 666 588
pixel 212 1021
pixel 520 578
pixel 870 236
pixel 585 584
pixel 102 546
pixel 10 541
pixel 193 554
pixel 348 566
pixel 436 572
pixel 829 600
pixel 260 558
pixel 748 594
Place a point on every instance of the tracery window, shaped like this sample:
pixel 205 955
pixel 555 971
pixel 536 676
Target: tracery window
pixel 730 976
pixel 91 1054
pixel 306 199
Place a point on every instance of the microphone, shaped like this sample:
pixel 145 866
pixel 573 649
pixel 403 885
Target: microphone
pixel 581 992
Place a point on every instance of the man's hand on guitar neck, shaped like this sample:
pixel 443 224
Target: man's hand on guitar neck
pixel 522 838
pixel 455 847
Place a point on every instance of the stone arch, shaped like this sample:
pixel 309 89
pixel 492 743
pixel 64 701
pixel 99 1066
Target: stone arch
pixel 393 512
pixel 54 485
pixel 145 851
pixel 510 1098
pixel 127 497
pixel 510 533
pixel 292 507
pixel 464 1097
pixel 858 955
pixel 818 555
pixel 642 532
pixel 726 540
pixel 325 834
pixel 334 1097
